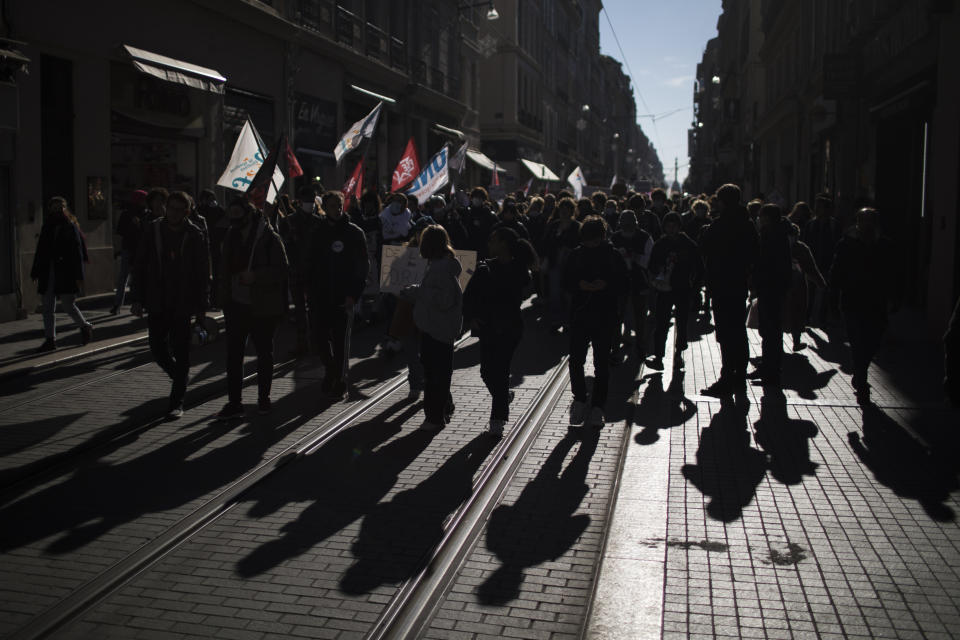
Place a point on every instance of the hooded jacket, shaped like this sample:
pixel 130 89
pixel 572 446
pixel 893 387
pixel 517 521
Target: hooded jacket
pixel 155 286
pixel 438 300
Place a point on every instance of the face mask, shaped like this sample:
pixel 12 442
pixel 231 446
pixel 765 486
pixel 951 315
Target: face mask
pixel 476 202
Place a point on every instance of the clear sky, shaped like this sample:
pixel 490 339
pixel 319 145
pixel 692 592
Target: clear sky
pixel 663 41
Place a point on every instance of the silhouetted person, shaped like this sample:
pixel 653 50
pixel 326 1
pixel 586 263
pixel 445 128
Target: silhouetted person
pixel 804 271
pixel 729 247
pixel 863 275
pixel 821 234
pixel 771 281
pixel 636 247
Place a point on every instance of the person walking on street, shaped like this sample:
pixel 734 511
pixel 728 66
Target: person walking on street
pixel 295 232
pixel 336 266
pixel 253 296
pixel 636 247
pixel 129 228
pixel 729 247
pixel 58 270
pixel 804 270
pixel 675 264
pixel 560 238
pixel 596 276
pixel 863 275
pixel 821 234
pixel 479 220
pixel 170 283
pixel 438 314
pixel 771 282
pixel 491 307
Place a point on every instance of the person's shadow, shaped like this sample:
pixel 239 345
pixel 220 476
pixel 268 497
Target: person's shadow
pixel 541 525
pixel 728 469
pixel 898 461
pixel 786 441
pixel 396 537
pixel 344 479
pixel 662 409
pixel 801 376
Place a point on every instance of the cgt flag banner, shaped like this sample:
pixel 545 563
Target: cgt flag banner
pixel 357 132
pixel 245 162
pixel 407 169
pixel 354 186
pixel 433 177
pixel 578 182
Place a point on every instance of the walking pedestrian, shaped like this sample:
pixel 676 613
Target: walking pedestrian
pixel 170 283
pixel 509 218
pixel 560 238
pixel 479 220
pixel 438 314
pixel 253 296
pixel 729 247
pixel 636 247
pixel 129 228
pixel 675 264
pixel 295 232
pixel 58 269
pixel 771 282
pixel 863 275
pixel 491 307
pixel 336 266
pixel 821 234
pixel 803 271
pixel 596 276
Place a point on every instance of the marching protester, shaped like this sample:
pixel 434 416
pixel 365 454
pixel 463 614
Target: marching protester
pixel 821 234
pixel 560 238
pixel 129 228
pixel 646 219
pixel 491 307
pixel 438 314
pixel 295 232
pixel 448 217
pixel 253 296
pixel 675 265
pixel 596 276
pixel 335 264
pixel 864 276
pixel 729 246
pixel 369 222
pixel 58 270
pixel 478 220
pixel 217 225
pixel 804 270
pixel 611 214
pixel 509 219
pixel 636 247
pixel 771 281
pixel 396 220
pixel 171 284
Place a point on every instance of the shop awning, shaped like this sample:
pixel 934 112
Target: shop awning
pixel 173 70
pixel 483 160
pixel 539 171
pixel 456 133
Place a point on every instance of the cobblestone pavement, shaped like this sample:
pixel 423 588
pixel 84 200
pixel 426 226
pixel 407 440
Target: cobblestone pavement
pixel 803 516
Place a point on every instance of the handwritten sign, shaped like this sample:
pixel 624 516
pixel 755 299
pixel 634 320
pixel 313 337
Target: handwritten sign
pixel 403 266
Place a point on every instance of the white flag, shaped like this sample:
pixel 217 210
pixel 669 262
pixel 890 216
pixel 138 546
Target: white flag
pixel 614 181
pixel 432 178
pixel 357 132
pixel 459 158
pixel 578 182
pixel 248 154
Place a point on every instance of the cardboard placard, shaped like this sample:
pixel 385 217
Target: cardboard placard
pixel 403 266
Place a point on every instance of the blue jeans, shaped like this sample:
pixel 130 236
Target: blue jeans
pixel 122 277
pixel 50 308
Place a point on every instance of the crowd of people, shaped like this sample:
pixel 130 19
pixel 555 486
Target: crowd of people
pixel 609 272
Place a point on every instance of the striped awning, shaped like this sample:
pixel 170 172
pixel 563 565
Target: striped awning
pixel 173 70
pixel 539 171
pixel 483 160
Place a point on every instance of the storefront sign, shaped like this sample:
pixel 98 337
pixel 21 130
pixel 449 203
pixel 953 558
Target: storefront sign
pixel 315 122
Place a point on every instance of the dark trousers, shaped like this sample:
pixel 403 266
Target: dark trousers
pixel 730 319
pixel 299 296
pixel 583 333
pixel 330 332
pixel 636 302
pixel 437 360
pixel 770 325
pixel 496 353
pixel 668 301
pixel 169 338
pixel 242 324
pixel 865 331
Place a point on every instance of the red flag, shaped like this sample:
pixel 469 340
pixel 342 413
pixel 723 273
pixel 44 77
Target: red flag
pixel 353 185
pixel 407 169
pixel 526 188
pixel 495 180
pixel 294 169
pixel 260 185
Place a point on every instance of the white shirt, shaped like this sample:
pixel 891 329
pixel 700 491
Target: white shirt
pixel 395 227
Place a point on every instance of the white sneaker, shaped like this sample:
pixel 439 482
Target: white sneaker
pixel 577 411
pixel 596 417
pixel 496 427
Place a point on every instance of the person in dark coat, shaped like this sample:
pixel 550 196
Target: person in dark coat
pixel 171 284
pixel 510 219
pixel 491 308
pixel 253 296
pixel 129 228
pixel 295 231
pixel 58 270
pixel 479 220
pixel 675 265
pixel 729 247
pixel 821 234
pixel 863 274
pixel 772 278
pixel 561 236
pixel 595 275
pixel 336 265
pixel 446 216
pixel 636 247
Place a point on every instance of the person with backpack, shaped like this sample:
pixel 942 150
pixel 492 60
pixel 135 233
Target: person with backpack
pixel 253 296
pixel 595 275
pixel 171 284
pixel 676 266
pixel 438 315
pixel 491 307
pixel 58 270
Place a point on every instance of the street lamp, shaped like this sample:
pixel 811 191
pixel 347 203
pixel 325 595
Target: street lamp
pixel 492 13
